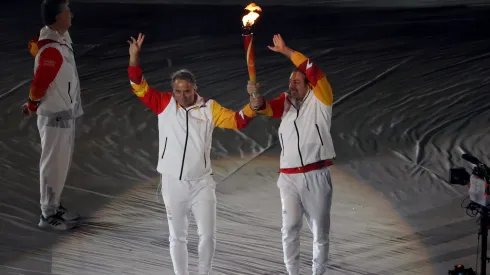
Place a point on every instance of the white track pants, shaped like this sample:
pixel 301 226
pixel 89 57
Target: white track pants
pixel 180 198
pixel 309 194
pixel 57 144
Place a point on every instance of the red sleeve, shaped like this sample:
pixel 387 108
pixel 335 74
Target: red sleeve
pixel 48 67
pixel 321 86
pixel 155 100
pixel 273 108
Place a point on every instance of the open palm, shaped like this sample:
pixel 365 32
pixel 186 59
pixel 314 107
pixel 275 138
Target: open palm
pixel 279 44
pixel 135 44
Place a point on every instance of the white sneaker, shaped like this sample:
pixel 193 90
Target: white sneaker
pixel 67 215
pixel 55 222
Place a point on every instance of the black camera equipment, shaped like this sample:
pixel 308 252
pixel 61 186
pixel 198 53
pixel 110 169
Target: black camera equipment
pixel 479 202
pixel 460 270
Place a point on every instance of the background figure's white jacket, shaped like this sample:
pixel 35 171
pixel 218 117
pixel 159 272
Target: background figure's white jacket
pixel 304 132
pixel 62 99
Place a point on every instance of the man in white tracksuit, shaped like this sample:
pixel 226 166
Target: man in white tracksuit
pixel 307 151
pixel 54 96
pixel 185 127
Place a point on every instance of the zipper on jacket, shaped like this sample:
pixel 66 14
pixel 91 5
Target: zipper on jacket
pixel 164 147
pixel 297 133
pixel 282 144
pixel 296 126
pixel 185 144
pixel 318 130
pixel 69 88
pixel 205 161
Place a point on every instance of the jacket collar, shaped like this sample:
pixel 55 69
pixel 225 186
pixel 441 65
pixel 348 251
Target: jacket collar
pixel 47 33
pixel 297 103
pixel 200 102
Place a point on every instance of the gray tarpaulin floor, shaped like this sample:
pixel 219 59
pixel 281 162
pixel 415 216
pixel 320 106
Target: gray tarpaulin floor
pixel 411 95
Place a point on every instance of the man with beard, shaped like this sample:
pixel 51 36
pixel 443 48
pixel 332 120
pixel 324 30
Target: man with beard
pixel 307 151
pixel 185 125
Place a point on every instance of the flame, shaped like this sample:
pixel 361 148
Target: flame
pixel 249 19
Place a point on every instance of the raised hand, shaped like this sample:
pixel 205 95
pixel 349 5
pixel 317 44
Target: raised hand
pixel 135 44
pixel 280 45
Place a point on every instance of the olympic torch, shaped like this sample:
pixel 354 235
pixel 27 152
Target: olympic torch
pixel 248 21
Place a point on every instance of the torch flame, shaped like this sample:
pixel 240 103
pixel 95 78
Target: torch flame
pixel 249 19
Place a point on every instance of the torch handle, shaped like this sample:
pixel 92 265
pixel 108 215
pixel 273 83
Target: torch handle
pixel 250 57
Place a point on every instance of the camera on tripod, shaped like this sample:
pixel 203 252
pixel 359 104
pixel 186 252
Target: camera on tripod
pixel 480 201
pixel 477 181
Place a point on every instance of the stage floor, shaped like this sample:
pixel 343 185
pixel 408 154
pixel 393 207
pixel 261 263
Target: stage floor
pixel 411 95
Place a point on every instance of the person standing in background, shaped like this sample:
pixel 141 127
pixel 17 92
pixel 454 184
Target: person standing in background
pixel 54 96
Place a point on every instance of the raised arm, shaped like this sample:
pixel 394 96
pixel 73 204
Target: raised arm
pixel 318 80
pixel 228 119
pixel 155 100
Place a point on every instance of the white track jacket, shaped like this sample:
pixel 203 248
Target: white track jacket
pixel 56 81
pixel 185 134
pixel 304 132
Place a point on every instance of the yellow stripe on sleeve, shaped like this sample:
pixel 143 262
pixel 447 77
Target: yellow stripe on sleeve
pixel 222 117
pixel 140 89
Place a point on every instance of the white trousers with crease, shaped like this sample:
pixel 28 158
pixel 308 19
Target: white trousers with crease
pixel 309 194
pixel 181 198
pixel 57 144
